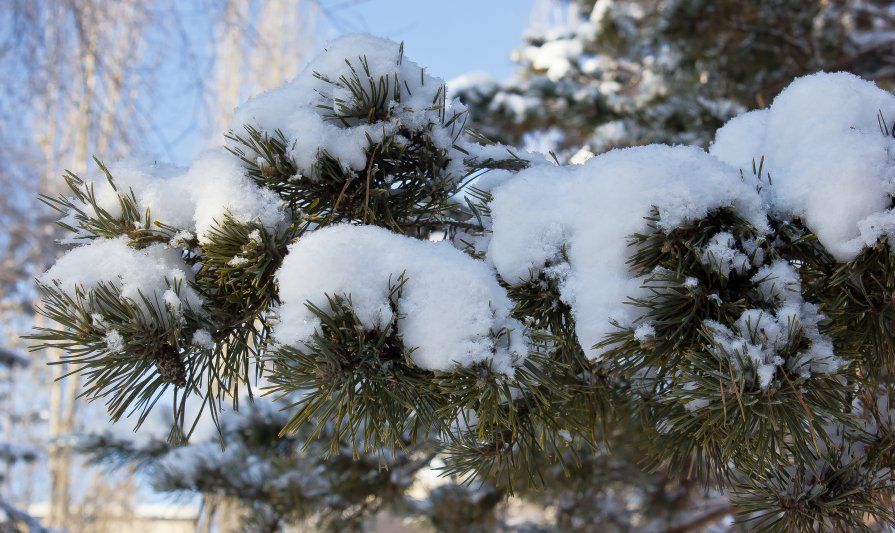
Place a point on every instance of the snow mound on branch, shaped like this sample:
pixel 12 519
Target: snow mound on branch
pixel 193 199
pixel 155 187
pixel 588 211
pixel 151 272
pixel 295 107
pixel 416 102
pixel 218 185
pixel 763 339
pixel 449 307
pixel 828 159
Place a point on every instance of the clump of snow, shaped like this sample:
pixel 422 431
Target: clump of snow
pixel 644 333
pixel 449 307
pixel 181 239
pixel 828 160
pixel 761 337
pixel 149 272
pixel 778 282
pixel 155 186
pixel 294 108
pixel 98 320
pixel 588 210
pixel 191 200
pixel 303 108
pixel 558 49
pixel 114 340
pixel 557 59
pixel 721 256
pixel 219 185
pixel 203 339
pixel 741 141
pixel 237 261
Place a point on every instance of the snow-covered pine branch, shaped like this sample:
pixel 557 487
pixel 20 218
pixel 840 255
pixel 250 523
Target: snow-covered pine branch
pixel 730 310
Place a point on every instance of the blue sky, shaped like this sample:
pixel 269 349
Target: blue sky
pixel 447 37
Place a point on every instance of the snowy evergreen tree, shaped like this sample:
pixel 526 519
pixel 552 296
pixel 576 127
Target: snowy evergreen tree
pixel 610 73
pixel 685 334
pixel 13 519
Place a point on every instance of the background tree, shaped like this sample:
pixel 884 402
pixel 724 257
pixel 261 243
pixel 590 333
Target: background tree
pixel 13 519
pixel 608 73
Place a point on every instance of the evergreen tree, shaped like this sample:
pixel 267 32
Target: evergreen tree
pixel 275 480
pixel 13 519
pixel 613 73
pixel 706 333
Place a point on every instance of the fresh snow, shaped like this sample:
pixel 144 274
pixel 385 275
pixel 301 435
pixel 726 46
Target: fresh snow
pixel 448 308
pixel 192 200
pixel 588 210
pixel 721 256
pixel 295 107
pixel 828 161
pixel 150 272
pixel 761 337
pixel 299 108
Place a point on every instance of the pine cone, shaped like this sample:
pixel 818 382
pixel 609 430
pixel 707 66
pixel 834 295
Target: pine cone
pixel 170 365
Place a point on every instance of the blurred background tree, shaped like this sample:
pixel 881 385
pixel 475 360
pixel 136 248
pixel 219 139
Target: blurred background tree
pixel 598 74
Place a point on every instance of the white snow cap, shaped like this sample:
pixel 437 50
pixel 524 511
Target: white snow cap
pixel 590 209
pixel 191 200
pixel 218 185
pixel 829 162
pixel 449 306
pixel 294 107
pixel 299 108
pixel 149 272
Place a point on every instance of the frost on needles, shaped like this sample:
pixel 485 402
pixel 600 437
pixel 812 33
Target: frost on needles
pixel 395 278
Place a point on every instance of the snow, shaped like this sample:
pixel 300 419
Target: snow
pixel 741 141
pixel 302 108
pixel 721 256
pixel 150 272
pixel 449 306
pixel 191 200
pixel 155 186
pixel 778 282
pixel 644 333
pixel 218 185
pixel 237 261
pixel 828 160
pixel 298 108
pixel 472 81
pixel 588 211
pixel 181 239
pixel 203 339
pixel 114 340
pixel 557 59
pixel 762 337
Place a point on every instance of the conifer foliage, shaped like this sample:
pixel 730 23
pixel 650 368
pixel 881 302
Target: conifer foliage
pixel 610 73
pixel 406 288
